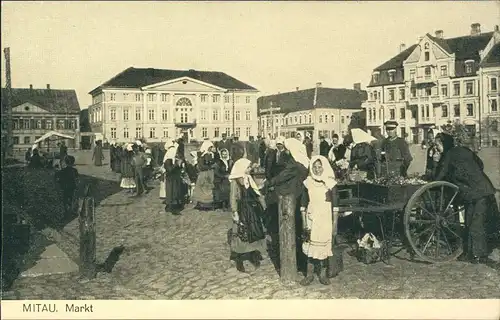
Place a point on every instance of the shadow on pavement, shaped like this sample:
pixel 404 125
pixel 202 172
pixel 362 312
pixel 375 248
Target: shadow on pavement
pixel 33 197
pixel 111 260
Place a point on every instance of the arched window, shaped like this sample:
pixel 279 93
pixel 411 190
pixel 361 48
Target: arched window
pixel 183 102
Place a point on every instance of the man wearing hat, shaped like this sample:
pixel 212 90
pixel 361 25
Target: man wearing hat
pixel 225 143
pixel 395 152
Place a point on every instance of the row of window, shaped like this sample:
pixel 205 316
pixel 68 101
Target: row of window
pixel 153 133
pixel 61 124
pixel 166 97
pixel 302 119
pixel 429 91
pixel 26 140
pixel 183 112
pixel 469 70
pixel 427 111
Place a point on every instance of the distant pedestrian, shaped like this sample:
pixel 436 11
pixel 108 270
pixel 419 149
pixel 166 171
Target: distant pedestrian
pixel 175 191
pixel 203 190
pixel 223 166
pixel 98 155
pixel 63 152
pixel 139 163
pixel 127 171
pixel 27 156
pixel 247 236
pixel 67 178
pixel 324 147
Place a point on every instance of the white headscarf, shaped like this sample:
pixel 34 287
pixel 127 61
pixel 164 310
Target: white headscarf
pixel 194 154
pixel 205 146
pixel 222 159
pixel 327 177
pixel 171 152
pixel 298 151
pixel 138 142
pixel 129 147
pixel 360 136
pixel 280 140
pixel 238 171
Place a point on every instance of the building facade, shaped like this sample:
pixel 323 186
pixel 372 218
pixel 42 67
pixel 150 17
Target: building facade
pixel 158 105
pixel 430 83
pixel 38 111
pixel 489 74
pixel 319 111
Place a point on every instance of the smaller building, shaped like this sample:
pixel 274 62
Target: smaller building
pixel 38 111
pixel 319 111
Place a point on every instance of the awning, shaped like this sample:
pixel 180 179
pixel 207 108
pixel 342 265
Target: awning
pixel 51 134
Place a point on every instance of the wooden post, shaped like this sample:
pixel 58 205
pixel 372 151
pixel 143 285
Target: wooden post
pixel 288 254
pixel 88 267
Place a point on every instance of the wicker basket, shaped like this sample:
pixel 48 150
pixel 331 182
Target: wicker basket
pixel 357 175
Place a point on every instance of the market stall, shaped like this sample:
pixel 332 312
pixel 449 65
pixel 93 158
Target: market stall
pixel 52 158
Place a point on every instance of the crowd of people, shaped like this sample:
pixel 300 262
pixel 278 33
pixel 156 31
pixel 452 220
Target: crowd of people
pixel 220 176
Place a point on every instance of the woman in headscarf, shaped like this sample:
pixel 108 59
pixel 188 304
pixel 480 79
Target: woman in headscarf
pixel 433 154
pixel 203 190
pixel 112 155
pixel 289 184
pixel 223 166
pixel 337 149
pixel 462 167
pixel 98 156
pixel 316 210
pixel 36 159
pixel 247 237
pixel 127 170
pixel 175 195
pixel 363 155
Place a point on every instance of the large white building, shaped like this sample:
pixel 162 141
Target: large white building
pixel 432 82
pixel 158 104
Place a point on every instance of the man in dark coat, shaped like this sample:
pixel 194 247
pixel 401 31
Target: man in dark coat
pixel 396 156
pixel 63 151
pixel 462 167
pixel 337 150
pixel 309 145
pixel 262 151
pixel 225 143
pixel 324 147
pixel 252 150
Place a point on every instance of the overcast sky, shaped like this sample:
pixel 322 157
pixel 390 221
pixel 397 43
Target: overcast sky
pixel 272 46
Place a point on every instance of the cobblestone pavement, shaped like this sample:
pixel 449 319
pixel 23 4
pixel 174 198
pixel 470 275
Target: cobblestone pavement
pixel 186 257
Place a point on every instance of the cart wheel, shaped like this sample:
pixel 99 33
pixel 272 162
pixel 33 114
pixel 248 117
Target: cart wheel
pixel 433 222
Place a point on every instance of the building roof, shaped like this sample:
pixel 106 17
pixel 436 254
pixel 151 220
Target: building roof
pixel 464 47
pixel 396 61
pixel 140 77
pixel 52 100
pixel 304 99
pixel 492 59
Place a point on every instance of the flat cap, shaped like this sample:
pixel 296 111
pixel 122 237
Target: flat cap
pixel 391 124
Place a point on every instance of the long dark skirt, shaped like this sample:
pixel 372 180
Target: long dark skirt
pixel 175 191
pixel 250 236
pixel 221 193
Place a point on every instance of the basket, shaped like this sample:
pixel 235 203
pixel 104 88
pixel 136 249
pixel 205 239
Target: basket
pixel 372 255
pixel 357 175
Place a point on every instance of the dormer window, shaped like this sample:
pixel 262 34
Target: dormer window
pixel 469 66
pixel 391 75
pixel 375 77
pixel 427 55
pixel 426 46
pixel 427 72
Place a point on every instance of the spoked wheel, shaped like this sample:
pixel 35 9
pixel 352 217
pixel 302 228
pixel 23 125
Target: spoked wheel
pixel 433 222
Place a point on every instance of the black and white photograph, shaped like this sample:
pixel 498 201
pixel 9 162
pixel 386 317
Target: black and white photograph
pixel 168 150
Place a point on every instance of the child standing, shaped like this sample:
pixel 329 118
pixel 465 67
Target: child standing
pixel 316 210
pixel 67 179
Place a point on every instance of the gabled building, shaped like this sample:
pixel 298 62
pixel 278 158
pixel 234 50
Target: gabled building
pixel 161 104
pixel 319 111
pixel 430 83
pixel 38 111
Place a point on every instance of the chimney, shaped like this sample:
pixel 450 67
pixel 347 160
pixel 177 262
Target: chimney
pixel 402 47
pixel 48 86
pixel 496 28
pixel 419 39
pixel 296 88
pixel 31 87
pixel 475 29
pixel 318 84
pixel 439 34
pixel 357 86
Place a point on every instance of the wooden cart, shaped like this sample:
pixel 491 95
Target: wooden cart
pixel 426 218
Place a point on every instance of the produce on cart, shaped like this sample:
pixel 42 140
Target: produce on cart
pixel 429 213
